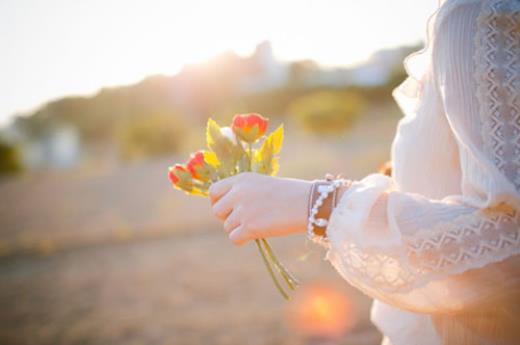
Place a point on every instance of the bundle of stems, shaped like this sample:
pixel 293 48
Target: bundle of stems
pixel 270 259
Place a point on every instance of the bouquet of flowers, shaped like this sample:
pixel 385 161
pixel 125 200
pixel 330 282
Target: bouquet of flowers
pixel 231 150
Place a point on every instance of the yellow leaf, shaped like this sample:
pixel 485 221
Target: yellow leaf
pixel 266 161
pixel 277 139
pixel 275 166
pixel 212 132
pixel 197 191
pixel 211 158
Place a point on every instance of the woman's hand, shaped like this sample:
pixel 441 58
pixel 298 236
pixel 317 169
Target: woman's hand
pixel 256 206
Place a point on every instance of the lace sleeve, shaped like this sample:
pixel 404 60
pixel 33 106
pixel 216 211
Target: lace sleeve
pixel 497 61
pixel 444 255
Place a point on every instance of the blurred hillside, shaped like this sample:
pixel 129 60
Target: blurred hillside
pixel 163 115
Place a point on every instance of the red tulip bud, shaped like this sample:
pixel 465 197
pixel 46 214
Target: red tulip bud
pixel 197 166
pixel 180 177
pixel 249 127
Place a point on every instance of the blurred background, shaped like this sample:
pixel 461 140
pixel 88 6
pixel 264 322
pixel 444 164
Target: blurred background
pixel 99 97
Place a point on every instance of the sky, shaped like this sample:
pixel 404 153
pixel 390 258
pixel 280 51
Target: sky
pixel 54 48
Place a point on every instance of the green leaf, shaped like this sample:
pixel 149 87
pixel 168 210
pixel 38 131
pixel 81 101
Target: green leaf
pixel 226 153
pixel 243 163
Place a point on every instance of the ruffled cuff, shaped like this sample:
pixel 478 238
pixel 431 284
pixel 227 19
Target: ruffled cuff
pixel 348 220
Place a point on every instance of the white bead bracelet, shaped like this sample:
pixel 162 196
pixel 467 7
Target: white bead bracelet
pixel 324 190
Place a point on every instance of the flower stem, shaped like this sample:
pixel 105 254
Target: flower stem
pixel 250 154
pixel 266 251
pixel 270 269
pixel 287 276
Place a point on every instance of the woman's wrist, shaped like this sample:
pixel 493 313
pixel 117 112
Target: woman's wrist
pixel 323 198
pixel 303 190
pixel 300 195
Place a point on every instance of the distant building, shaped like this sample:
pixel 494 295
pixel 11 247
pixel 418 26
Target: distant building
pixel 55 149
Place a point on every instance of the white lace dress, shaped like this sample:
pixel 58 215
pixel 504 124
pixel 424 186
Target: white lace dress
pixel 437 244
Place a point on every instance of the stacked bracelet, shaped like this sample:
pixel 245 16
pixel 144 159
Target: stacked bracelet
pixel 324 189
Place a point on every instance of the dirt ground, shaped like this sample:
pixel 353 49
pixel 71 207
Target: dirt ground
pixel 174 290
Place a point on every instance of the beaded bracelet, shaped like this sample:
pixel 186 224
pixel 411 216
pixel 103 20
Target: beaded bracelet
pixel 324 189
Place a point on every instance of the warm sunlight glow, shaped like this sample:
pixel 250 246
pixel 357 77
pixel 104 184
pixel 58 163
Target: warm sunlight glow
pixel 57 47
pixel 320 311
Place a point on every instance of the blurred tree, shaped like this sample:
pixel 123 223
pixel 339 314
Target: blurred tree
pixel 271 103
pixel 98 118
pixel 154 135
pixel 10 161
pixel 397 76
pixel 301 71
pixel 327 112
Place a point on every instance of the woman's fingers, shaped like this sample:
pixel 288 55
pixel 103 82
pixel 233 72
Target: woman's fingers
pixel 238 236
pixel 223 207
pixel 231 221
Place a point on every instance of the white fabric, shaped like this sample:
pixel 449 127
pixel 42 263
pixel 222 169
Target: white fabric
pixel 442 235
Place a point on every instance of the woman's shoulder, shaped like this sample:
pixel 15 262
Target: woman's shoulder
pixel 457 10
